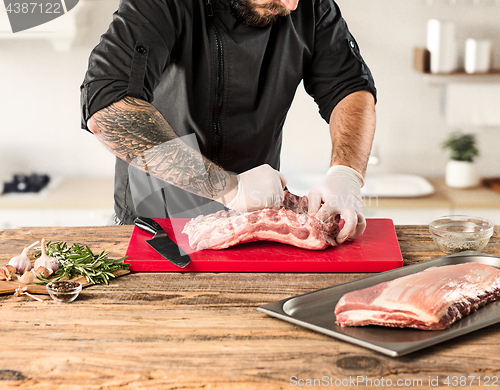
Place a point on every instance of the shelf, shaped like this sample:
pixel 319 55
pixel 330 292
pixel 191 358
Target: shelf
pixel 462 77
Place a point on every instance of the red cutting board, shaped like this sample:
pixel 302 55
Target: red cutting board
pixel 376 251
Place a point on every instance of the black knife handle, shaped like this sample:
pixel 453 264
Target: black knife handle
pixel 149 225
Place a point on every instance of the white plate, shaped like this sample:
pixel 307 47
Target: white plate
pixel 396 186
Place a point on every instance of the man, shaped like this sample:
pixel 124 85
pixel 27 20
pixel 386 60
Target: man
pixel 225 72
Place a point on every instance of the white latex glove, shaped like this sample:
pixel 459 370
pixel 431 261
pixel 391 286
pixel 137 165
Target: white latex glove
pixel 258 188
pixel 339 192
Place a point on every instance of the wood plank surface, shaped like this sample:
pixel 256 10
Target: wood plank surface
pixel 10 286
pixel 202 331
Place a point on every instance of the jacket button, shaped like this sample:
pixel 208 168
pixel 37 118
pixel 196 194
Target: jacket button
pixel 141 50
pixel 352 44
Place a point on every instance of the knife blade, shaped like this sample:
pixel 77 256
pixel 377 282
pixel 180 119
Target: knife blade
pixel 161 243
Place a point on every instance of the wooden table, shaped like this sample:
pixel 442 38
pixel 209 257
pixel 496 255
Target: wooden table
pixel 202 331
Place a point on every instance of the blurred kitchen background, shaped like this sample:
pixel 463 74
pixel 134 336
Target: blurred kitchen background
pixel 41 71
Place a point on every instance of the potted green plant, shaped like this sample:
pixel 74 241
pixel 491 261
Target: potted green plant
pixel 461 170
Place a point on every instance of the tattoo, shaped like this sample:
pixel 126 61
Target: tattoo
pixel 136 132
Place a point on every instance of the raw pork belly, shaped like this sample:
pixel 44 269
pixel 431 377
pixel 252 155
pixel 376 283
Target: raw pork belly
pixel 289 225
pixel 432 299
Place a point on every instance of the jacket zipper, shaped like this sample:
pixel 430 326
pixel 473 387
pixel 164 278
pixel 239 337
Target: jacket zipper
pixel 219 92
pixel 210 10
pixel 218 95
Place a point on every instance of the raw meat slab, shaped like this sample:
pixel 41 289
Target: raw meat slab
pixel 376 251
pixel 314 311
pixel 431 300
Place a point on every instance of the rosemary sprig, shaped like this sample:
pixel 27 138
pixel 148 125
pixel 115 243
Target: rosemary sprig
pixel 77 260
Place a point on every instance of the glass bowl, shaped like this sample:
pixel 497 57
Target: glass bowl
pixel 64 291
pixel 458 233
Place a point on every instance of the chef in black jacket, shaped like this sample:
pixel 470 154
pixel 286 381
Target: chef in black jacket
pixel 193 94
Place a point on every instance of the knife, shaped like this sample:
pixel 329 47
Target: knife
pixel 162 243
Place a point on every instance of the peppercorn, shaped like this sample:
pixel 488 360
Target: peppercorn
pixel 64 286
pixel 64 290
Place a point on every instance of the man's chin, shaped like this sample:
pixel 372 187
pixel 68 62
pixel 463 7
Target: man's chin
pixel 252 16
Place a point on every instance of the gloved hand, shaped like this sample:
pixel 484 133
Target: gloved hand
pixel 340 193
pixel 258 188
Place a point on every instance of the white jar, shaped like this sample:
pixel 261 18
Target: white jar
pixel 461 174
pixel 477 56
pixel 442 45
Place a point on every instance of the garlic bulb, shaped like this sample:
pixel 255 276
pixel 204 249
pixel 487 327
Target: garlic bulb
pixel 22 263
pixel 46 261
pixel 27 278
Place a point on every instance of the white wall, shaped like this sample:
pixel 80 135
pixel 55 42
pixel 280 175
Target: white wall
pixel 410 125
pixel 40 101
pixel 40 114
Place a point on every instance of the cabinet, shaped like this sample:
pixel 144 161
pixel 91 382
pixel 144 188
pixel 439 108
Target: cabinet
pixel 422 216
pixel 89 202
pixel 65 202
pixel 13 218
pixel 480 201
pixel 408 216
pixel 492 215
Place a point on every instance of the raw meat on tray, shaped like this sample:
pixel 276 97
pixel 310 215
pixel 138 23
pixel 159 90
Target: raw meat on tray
pixel 289 225
pixel 431 300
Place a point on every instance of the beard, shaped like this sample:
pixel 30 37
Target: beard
pixel 248 13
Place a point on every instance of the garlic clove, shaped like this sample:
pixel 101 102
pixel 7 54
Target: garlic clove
pixel 27 278
pixel 45 272
pixel 3 275
pixel 9 271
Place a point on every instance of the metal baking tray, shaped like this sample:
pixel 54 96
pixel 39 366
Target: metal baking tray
pixel 315 311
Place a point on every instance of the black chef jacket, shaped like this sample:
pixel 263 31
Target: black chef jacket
pixel 229 84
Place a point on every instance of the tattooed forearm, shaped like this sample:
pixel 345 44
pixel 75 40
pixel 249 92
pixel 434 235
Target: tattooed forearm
pixel 352 127
pixel 136 132
pixel 129 127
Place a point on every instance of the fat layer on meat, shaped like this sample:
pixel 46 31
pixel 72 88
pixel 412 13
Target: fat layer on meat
pixel 432 299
